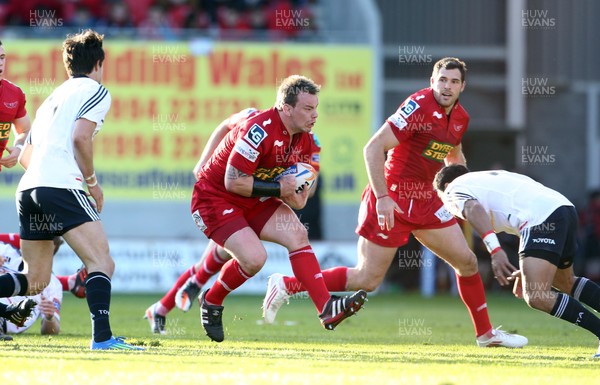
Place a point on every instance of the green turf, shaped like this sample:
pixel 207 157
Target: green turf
pixel 396 339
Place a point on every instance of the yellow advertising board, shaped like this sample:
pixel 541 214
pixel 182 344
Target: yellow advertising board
pixel 168 97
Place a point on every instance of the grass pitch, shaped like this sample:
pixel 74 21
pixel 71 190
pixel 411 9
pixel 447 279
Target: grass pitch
pixel 396 339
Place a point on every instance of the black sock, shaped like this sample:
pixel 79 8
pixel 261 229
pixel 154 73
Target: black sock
pixel 12 284
pixel 587 292
pixel 97 288
pixel 3 310
pixel 569 309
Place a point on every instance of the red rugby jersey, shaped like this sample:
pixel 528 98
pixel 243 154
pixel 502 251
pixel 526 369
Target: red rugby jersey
pixel 426 135
pixel 260 146
pixel 12 106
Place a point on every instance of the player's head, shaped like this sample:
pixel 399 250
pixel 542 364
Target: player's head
pixel 297 101
pixel 83 54
pixel 448 80
pixel 447 174
pixel 2 60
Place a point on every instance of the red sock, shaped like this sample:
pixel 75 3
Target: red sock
pixel 306 268
pixel 335 280
pixel 212 264
pixel 232 276
pixel 168 301
pixel 472 293
pixel 64 281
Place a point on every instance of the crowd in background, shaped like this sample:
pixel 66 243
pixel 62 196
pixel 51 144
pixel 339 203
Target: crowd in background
pixel 164 19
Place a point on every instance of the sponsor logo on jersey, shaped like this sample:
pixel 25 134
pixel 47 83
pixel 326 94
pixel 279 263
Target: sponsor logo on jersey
pixel 408 108
pixel 547 241
pixel 278 143
pixel 382 235
pixel 458 127
pixel 437 150
pixel 268 174
pixel 198 220
pixel 255 135
pixel 11 104
pixel 267 122
pixel 245 150
pixel 315 159
pixel 227 211
pixel 443 214
pixel 5 130
pixel 437 114
pixel 398 121
pixel 420 97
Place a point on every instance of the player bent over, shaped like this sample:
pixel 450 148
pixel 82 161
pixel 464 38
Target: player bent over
pixel 237 203
pixel 546 222
pixel 58 157
pixel 424 133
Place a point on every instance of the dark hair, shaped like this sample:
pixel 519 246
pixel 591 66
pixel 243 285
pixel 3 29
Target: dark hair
pixel 82 51
pixel 291 87
pixel 450 63
pixel 448 174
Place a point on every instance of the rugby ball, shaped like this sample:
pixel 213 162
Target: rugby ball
pixel 305 174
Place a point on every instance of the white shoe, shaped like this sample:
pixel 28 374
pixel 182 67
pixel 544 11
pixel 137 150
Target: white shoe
pixel 157 322
pixel 501 338
pixel 274 298
pixel 187 294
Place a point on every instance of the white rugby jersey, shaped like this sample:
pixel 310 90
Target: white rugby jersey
pixel 53 161
pixel 513 201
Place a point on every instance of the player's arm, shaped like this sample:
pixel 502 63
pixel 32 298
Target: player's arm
pixel 374 155
pixel 213 141
pixel 83 135
pixel 478 217
pixel 50 317
pixel 456 156
pixel 21 127
pixel 246 185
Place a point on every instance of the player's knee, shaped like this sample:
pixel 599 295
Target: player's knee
pixel 467 266
pixel 253 265
pixel 539 300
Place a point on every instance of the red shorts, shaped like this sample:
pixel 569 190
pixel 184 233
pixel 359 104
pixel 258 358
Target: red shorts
pixel 219 218
pixel 423 210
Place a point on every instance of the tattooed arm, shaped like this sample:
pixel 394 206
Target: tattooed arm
pixel 243 184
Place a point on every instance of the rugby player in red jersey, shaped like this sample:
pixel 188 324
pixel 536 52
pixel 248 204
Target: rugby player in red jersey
pixel 237 203
pixel 13 116
pixel 188 286
pixel 419 138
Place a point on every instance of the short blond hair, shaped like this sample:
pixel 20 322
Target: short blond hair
pixel 291 87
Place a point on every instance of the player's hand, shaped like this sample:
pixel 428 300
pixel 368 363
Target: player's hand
pixel 98 195
pixel 517 286
pixel 11 159
pixel 47 308
pixel 287 186
pixel 501 267
pixel 297 201
pixel 385 208
pixel 2 260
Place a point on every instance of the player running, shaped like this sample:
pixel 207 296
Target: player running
pixel 423 134
pixel 188 286
pixel 236 203
pixel 546 222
